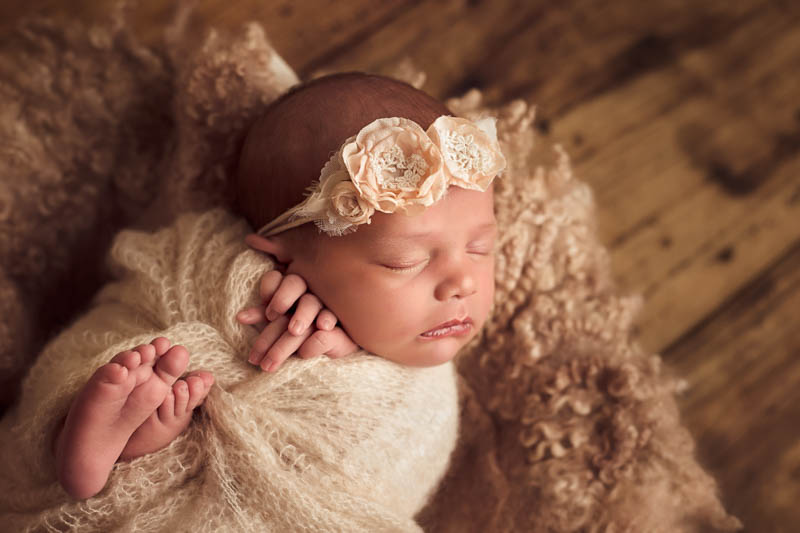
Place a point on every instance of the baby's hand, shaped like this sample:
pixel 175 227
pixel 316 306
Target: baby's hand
pixel 310 331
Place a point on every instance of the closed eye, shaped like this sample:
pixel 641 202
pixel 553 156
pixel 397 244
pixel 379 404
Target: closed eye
pixel 481 251
pixel 405 267
pixel 481 248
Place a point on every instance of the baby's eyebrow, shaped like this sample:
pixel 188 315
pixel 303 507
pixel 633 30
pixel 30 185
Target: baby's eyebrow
pixel 488 226
pixel 483 228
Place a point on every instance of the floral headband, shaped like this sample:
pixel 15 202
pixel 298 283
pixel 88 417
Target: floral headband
pixel 393 165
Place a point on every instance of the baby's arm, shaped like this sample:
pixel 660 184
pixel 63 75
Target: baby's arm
pixel 311 331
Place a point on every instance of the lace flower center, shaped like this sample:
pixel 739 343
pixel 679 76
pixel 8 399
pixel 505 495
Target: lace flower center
pixel 467 155
pixel 394 170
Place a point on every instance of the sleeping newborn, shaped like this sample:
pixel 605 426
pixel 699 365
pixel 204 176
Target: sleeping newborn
pixel 397 277
pixel 394 236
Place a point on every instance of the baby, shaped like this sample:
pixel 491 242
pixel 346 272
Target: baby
pixel 394 241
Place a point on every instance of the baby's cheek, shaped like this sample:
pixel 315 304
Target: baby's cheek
pixel 379 329
pixel 487 284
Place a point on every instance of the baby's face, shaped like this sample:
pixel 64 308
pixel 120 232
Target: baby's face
pixel 394 281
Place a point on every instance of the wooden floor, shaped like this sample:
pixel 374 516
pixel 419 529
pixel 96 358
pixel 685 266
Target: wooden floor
pixel 684 116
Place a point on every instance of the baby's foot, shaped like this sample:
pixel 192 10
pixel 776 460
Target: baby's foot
pixel 115 401
pixel 171 417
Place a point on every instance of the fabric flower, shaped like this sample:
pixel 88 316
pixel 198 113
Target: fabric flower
pixel 348 205
pixel 395 167
pixel 471 154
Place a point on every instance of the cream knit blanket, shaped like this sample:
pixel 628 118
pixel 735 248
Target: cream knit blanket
pixel 352 444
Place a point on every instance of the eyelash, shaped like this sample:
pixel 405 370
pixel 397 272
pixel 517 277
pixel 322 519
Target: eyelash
pixel 481 251
pixel 416 265
pixel 405 268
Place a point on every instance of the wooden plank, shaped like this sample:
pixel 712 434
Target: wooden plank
pixel 560 53
pixel 450 40
pixel 743 399
pixel 699 252
pixel 678 195
pixel 300 31
pixel 580 51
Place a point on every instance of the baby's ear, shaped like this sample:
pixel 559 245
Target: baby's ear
pixel 273 246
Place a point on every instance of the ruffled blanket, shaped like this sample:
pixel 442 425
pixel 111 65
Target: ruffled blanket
pixel 352 444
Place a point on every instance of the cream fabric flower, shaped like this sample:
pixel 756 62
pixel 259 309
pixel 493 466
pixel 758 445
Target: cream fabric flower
pixel 395 166
pixel 347 204
pixel 333 202
pixel 471 154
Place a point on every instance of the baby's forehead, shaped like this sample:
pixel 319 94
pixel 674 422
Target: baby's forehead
pixel 461 212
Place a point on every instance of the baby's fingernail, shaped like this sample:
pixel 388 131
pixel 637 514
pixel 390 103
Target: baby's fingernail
pixel 327 323
pixel 297 327
pixel 271 315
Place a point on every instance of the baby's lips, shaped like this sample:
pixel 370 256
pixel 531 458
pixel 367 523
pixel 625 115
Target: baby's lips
pixel 453 322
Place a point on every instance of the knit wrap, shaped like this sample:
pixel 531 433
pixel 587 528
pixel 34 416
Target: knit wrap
pixel 351 444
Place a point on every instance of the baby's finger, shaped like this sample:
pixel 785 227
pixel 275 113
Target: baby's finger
pixel 266 339
pixel 334 343
pixel 281 350
pixel 341 344
pixel 326 320
pixel 252 315
pixel 269 284
pixel 307 308
pixel 291 288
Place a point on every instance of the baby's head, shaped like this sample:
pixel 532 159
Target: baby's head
pixel 389 281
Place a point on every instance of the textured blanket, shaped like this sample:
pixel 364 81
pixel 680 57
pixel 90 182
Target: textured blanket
pixel 353 444
pixel 566 423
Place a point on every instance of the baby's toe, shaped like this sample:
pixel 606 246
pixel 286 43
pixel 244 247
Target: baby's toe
pixel 172 364
pixel 147 353
pixel 129 359
pixel 181 392
pixel 166 411
pixel 138 372
pixel 199 383
pixel 109 383
pixel 113 373
pixel 161 345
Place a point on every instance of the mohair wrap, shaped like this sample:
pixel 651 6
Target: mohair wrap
pixel 351 444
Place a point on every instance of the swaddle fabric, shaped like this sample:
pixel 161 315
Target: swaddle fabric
pixel 351 444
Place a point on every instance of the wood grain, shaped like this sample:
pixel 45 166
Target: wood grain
pixel 743 399
pixel 683 116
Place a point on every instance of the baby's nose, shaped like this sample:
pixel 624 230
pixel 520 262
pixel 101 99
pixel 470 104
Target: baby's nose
pixel 460 283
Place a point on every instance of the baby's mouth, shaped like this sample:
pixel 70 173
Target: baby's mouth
pixel 449 328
